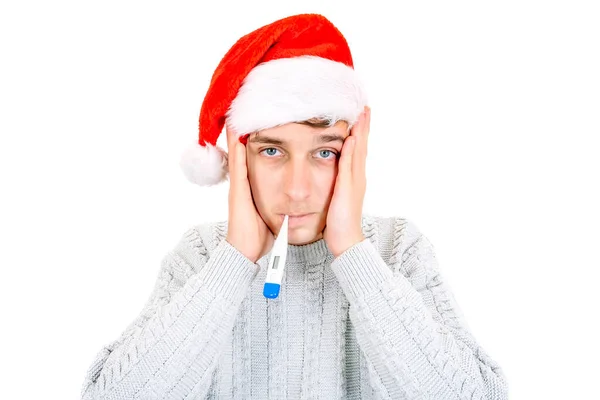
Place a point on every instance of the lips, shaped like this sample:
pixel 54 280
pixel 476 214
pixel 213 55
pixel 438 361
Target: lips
pixel 296 215
pixel 297 219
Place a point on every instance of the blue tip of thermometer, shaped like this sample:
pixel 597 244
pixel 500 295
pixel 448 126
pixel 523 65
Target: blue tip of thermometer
pixel 277 262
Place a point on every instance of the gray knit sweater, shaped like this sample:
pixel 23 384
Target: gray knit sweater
pixel 378 322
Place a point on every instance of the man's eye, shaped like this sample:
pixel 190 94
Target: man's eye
pixel 327 154
pixel 271 151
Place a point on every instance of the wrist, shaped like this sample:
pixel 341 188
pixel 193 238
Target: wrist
pixel 241 250
pixel 347 245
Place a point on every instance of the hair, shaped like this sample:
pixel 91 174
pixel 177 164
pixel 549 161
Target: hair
pixel 318 122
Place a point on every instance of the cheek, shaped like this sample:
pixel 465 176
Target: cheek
pixel 324 182
pixel 265 181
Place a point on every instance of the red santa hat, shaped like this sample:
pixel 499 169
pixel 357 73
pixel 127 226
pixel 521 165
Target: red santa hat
pixel 292 70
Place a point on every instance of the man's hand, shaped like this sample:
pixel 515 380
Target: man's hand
pixel 246 231
pixel 344 218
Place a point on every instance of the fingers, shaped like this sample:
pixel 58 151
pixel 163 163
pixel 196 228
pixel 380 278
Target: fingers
pixel 234 153
pixel 367 119
pixel 345 164
pixel 230 134
pixel 237 191
pixel 361 133
pixel 361 129
pixel 237 164
pixel 354 152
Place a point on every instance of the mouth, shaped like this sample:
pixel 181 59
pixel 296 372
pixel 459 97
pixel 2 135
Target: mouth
pixel 297 219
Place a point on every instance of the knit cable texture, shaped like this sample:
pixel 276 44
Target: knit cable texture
pixel 378 322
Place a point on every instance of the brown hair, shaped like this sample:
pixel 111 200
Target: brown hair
pixel 318 122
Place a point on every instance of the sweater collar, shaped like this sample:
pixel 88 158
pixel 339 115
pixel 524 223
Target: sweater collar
pixel 315 251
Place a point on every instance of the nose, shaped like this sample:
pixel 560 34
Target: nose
pixel 297 180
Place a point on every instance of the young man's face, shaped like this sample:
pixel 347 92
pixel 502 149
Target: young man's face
pixel 292 170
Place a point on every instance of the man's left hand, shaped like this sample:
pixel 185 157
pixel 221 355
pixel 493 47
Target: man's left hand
pixel 344 218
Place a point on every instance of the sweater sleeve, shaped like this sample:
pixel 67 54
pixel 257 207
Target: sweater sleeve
pixel 171 349
pixel 410 327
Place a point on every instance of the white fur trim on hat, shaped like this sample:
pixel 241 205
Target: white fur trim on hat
pixel 296 89
pixel 204 165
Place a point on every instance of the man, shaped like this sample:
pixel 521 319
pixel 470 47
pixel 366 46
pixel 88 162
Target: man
pixel 363 310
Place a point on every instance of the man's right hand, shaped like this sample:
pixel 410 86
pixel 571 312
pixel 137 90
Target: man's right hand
pixel 246 231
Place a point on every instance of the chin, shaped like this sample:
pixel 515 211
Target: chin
pixel 300 232
pixel 302 236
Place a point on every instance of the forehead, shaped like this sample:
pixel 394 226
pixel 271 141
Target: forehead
pixel 300 131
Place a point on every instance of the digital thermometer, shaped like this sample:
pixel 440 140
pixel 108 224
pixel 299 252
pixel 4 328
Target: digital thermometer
pixel 277 262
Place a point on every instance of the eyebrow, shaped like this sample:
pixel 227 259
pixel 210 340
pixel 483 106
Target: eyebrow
pixel 325 138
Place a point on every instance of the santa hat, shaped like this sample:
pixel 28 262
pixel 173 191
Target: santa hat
pixel 292 70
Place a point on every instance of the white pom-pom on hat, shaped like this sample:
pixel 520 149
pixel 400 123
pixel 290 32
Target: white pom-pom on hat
pixel 204 165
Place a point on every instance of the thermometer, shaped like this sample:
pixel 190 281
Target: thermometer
pixel 277 263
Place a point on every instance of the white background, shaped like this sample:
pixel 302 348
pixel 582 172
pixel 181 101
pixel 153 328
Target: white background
pixel 485 128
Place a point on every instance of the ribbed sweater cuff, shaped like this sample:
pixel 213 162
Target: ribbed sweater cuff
pixel 360 269
pixel 228 273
